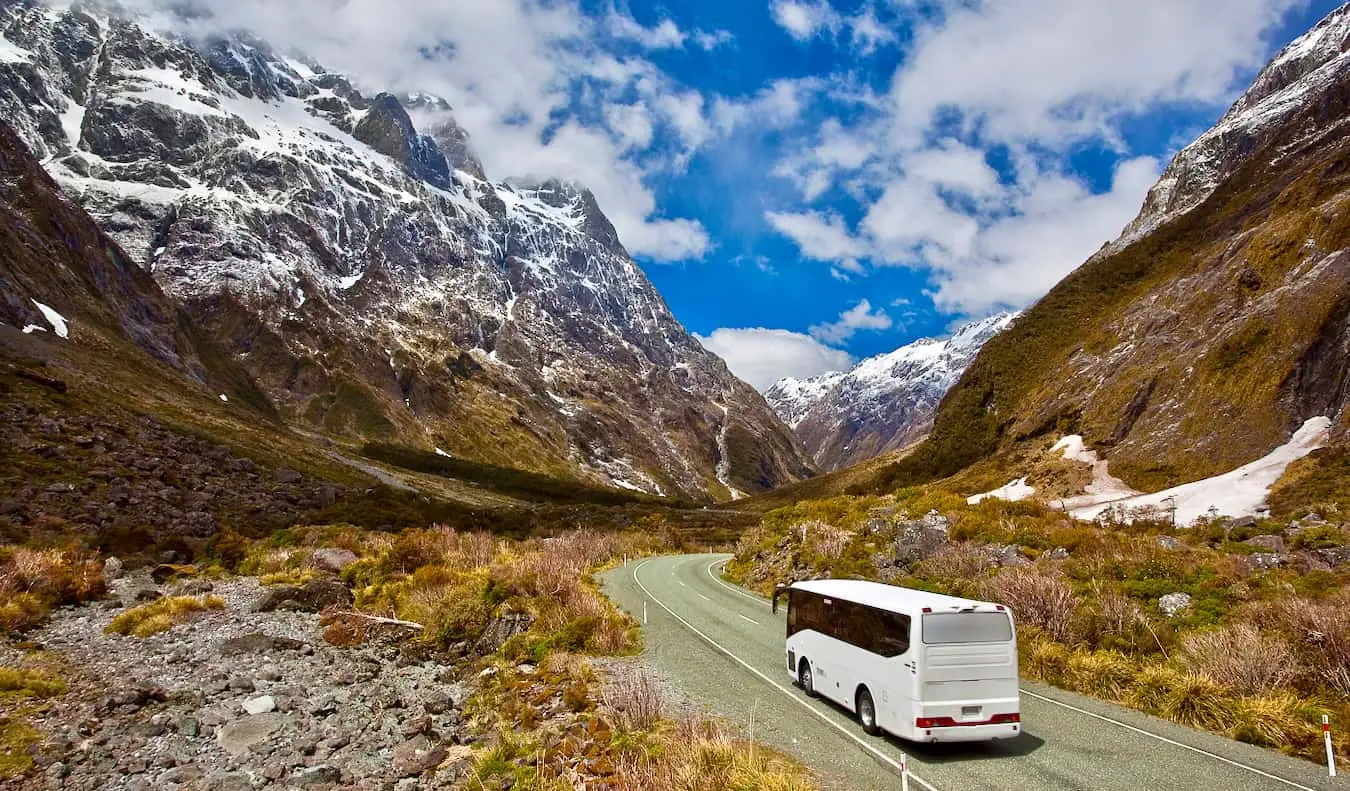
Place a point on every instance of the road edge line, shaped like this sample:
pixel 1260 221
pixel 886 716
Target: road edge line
pixel 1172 742
pixel 869 748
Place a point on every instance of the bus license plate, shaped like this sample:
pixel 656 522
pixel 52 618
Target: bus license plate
pixel 970 711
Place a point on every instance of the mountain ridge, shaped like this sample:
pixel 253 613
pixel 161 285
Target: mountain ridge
pixel 883 403
pixel 375 287
pixel 1214 326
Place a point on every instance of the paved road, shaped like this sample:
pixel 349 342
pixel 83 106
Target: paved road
pixel 721 645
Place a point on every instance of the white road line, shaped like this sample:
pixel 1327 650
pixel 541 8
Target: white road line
pixel 705 598
pixel 1101 717
pixel 884 758
pixel 682 585
pixel 733 588
pixel 1172 742
pixel 748 618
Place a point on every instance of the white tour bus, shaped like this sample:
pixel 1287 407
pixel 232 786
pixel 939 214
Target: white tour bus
pixel 922 666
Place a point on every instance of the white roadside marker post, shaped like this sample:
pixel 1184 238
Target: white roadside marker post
pixel 1331 755
pixel 644 613
pixel 904 772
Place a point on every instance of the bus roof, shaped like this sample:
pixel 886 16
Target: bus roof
pixel 889 597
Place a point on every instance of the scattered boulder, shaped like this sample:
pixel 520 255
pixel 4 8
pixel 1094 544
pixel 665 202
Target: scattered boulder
pixel 239 736
pixel 167 571
pixel 193 588
pixel 263 704
pixel 1241 522
pixel 922 538
pixel 313 596
pixel 1058 553
pixel 1335 556
pixel 1267 543
pixel 323 774
pixel 416 756
pixel 258 643
pixel 501 629
pixel 332 559
pixel 286 475
pixel 145 595
pixel 1007 556
pixel 112 569
pixel 1168 542
pixel 1266 561
pixel 1173 604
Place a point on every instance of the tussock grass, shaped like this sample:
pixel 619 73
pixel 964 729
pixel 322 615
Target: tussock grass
pixel 34 581
pixel 161 615
pixel 16 683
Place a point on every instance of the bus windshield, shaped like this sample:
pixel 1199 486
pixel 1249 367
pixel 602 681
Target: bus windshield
pixel 941 628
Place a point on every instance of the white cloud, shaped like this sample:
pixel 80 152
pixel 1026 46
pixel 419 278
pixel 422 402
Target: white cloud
pixel 513 70
pixel 1057 71
pixel 820 235
pixel 859 317
pixel 1060 225
pixel 804 20
pixel 664 35
pixel 1023 80
pixel 763 356
pixel 713 40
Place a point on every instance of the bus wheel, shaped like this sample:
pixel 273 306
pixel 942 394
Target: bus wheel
pixel 867 712
pixel 805 678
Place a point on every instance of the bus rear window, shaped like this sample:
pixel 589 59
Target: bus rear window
pixel 941 628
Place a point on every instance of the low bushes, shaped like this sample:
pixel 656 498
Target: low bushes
pixel 161 615
pixel 34 581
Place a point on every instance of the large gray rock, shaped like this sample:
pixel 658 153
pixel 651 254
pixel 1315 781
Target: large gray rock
pixel 237 737
pixel 332 559
pixel 416 756
pixel 313 596
pixel 1174 604
pixel 1267 543
pixel 922 538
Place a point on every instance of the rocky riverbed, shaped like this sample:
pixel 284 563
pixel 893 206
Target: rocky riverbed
pixel 237 700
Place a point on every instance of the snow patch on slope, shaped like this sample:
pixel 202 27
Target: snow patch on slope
pixel 58 322
pixel 1105 488
pixel 1012 492
pixel 1241 492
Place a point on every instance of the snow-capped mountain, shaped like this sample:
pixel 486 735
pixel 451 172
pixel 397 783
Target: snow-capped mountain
pixel 1294 79
pixel 368 274
pixel 883 403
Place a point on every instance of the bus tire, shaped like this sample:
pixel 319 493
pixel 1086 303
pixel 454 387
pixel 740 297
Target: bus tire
pixel 867 712
pixel 806 678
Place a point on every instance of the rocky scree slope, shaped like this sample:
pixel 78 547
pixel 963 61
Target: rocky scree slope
pixel 1215 326
pixel 241 698
pixel 882 404
pixel 369 276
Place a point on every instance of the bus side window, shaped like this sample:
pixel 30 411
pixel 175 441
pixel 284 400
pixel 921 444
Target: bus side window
pixel 894 634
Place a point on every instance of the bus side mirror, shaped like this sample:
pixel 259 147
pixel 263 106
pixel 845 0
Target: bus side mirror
pixel 777 591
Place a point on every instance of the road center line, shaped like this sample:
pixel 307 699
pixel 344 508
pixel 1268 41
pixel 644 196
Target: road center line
pixel 705 598
pixel 748 618
pixel 1073 708
pixel 886 759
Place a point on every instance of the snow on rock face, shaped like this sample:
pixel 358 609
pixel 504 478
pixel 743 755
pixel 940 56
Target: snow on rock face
pixel 1304 69
pixel 1241 492
pixel 59 324
pixel 885 402
pixel 245 181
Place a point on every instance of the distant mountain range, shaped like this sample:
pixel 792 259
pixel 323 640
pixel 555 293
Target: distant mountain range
pixel 882 404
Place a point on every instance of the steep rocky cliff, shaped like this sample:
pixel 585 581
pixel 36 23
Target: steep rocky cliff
pixel 884 403
pixel 1220 320
pixel 369 276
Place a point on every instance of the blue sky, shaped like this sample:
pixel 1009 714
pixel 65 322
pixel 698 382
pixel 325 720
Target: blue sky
pixel 809 182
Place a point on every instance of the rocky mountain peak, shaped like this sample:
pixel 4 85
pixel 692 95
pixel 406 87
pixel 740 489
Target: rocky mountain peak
pixel 883 403
pixel 349 261
pixel 1281 92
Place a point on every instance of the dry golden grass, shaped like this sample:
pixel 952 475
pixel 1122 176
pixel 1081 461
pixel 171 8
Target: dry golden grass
pixel 161 615
pixel 1241 657
pixel 1038 597
pixel 699 755
pixel 33 581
